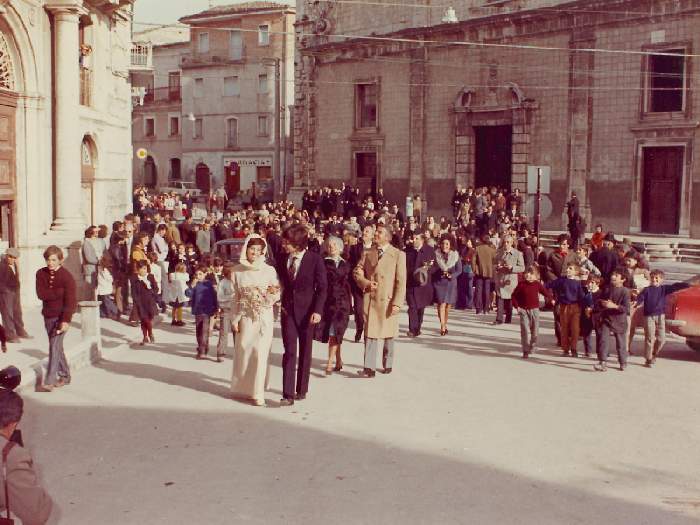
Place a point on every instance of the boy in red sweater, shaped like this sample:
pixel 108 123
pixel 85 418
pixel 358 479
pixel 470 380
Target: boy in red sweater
pixel 526 298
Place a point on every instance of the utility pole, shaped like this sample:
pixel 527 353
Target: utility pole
pixel 278 131
pixel 538 204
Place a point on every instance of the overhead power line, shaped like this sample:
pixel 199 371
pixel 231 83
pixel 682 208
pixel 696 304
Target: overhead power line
pixel 423 42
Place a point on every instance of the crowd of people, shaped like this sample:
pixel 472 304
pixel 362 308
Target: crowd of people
pixel 345 255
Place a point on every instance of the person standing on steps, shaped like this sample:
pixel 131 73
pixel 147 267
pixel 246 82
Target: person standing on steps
pixel 381 273
pixel 10 306
pixel 302 274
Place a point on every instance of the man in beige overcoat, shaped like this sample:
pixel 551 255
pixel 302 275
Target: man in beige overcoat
pixel 381 275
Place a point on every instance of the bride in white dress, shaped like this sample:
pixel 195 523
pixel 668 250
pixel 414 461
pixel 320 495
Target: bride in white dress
pixel 256 290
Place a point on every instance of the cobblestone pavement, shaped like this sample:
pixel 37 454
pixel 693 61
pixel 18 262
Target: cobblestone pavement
pixel 463 431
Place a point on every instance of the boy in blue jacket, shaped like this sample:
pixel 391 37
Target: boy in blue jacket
pixel 654 299
pixel 204 305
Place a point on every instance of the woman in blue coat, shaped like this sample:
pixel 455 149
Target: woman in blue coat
pixel 449 266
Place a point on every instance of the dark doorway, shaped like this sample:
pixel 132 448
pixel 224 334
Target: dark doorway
pixel 366 172
pixel 175 169
pixel 150 173
pixel 493 163
pixel 202 178
pixel 662 173
pixel 233 179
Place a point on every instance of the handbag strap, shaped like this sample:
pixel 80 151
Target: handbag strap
pixel 5 452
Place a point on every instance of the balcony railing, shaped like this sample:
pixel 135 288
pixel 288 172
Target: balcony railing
pixel 85 87
pixel 162 95
pixel 141 55
pixel 214 58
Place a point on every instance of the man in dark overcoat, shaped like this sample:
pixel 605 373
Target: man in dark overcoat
pixel 419 292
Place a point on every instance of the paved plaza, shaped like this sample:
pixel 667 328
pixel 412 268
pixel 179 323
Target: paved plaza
pixel 463 431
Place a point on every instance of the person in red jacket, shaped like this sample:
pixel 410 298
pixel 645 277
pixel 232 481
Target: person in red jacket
pixel 526 298
pixel 55 287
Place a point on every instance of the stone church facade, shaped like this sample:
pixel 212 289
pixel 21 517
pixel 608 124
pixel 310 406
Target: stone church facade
pixel 65 124
pixel 408 103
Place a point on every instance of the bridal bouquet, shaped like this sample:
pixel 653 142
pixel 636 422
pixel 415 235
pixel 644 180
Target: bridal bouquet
pixel 252 300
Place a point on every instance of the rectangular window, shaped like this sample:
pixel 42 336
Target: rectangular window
pixel 203 43
pixel 174 86
pixel 198 132
pixel 235 45
pixel 262 83
pixel 149 127
pixel 666 81
pixel 366 105
pixel 231 87
pixel 264 35
pixel 231 133
pixel 198 87
pixel 262 126
pixel 173 125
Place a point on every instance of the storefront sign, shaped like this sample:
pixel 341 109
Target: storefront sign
pixel 247 161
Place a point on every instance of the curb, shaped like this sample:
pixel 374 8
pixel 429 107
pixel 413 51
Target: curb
pixel 84 354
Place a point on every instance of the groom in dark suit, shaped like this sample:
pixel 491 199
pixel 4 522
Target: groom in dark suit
pixel 303 277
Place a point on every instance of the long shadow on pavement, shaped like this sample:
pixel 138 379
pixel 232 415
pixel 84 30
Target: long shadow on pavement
pixel 123 466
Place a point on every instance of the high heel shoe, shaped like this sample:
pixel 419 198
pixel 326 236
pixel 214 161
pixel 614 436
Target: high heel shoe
pixel 339 367
pixel 443 331
pixel 329 371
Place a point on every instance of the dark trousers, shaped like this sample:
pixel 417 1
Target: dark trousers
pixel 202 329
pixel 58 365
pixel 603 334
pixel 482 297
pixel 296 338
pixel 465 291
pixel 108 307
pixel 11 314
pixel 358 310
pixel 504 307
pixel 415 319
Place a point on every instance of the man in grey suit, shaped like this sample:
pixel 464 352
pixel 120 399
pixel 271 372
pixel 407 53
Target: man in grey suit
pixel 509 264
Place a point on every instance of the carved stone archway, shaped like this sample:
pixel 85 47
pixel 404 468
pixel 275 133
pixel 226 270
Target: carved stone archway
pixel 492 106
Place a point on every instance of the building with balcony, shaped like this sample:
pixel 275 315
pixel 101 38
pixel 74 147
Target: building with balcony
pixel 599 95
pixel 65 153
pixel 157 113
pixel 237 82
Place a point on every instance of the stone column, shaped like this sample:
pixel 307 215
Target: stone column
pixel 91 327
pixel 67 139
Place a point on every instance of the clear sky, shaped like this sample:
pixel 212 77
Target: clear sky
pixel 168 11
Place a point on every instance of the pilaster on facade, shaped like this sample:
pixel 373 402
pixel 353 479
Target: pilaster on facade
pixel 581 71
pixel 417 102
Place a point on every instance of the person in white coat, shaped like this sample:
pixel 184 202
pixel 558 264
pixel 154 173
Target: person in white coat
pixel 256 289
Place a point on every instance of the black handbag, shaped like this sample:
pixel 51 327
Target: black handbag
pixel 5 452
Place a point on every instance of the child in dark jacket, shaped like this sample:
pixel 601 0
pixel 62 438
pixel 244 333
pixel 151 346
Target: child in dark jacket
pixel 587 322
pixel 653 297
pixel 611 318
pixel 144 292
pixel 204 305
pixel 526 299
pixel 570 296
